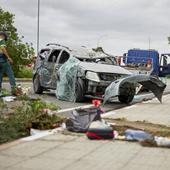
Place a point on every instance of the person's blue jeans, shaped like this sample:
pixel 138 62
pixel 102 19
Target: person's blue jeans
pixel 5 68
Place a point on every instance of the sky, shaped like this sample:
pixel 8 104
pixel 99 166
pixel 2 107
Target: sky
pixel 116 25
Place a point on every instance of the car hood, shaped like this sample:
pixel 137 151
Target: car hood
pixel 103 68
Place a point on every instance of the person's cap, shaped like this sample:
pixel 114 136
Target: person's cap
pixel 5 35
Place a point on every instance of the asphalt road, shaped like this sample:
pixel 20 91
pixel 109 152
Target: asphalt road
pixel 50 97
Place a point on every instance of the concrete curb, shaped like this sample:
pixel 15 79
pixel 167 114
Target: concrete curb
pixel 29 138
pixel 5 79
pixel 10 144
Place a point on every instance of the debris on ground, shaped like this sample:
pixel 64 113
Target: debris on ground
pixel 89 121
pixel 137 135
pixel 100 130
pixel 80 119
pixel 122 124
pixel 148 134
pixel 9 98
pixel 162 141
pixel 23 116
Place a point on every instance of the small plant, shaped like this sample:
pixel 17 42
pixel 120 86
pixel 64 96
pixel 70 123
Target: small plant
pixel 4 92
pixel 23 97
pixel 52 106
pixel 32 114
pixel 45 121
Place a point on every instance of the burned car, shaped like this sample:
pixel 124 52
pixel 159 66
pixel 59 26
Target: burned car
pixel 76 73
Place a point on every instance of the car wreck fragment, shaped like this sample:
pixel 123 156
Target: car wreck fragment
pixel 121 87
pixel 80 79
pixel 79 73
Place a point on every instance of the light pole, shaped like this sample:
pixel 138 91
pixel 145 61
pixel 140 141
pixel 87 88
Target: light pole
pixel 38 26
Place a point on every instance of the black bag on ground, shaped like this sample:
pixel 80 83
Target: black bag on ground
pixel 80 119
pixel 100 130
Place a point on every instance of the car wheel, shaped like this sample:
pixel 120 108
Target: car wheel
pixel 126 93
pixel 38 89
pixel 79 92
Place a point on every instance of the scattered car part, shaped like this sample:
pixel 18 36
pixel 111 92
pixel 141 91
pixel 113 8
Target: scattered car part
pixel 80 119
pixel 149 82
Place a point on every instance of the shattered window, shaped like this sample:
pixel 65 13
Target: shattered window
pixel 64 57
pixel 54 55
pixel 44 52
pixel 101 61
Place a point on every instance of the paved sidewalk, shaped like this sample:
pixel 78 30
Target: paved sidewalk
pixel 152 111
pixel 64 152
pixel 60 152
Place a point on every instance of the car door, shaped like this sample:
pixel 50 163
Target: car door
pixel 164 68
pixel 62 58
pixel 48 70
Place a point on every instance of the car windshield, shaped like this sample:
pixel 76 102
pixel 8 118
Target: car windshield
pixel 87 55
pixel 105 60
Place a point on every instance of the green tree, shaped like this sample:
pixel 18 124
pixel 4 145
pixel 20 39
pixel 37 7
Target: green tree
pixel 169 40
pixel 20 52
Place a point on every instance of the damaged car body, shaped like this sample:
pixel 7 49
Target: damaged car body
pixel 79 73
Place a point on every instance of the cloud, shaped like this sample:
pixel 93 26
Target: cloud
pixel 117 25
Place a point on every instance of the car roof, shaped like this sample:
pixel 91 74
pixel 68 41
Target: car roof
pixel 79 52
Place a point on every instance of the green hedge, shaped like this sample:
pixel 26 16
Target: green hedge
pixel 32 112
pixel 24 73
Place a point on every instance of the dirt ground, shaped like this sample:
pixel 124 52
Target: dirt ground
pixel 156 129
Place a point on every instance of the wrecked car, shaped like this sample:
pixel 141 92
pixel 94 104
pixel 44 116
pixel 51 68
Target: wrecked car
pixel 76 73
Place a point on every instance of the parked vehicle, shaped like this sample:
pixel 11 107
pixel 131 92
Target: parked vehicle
pixel 76 73
pixel 148 62
pixel 164 66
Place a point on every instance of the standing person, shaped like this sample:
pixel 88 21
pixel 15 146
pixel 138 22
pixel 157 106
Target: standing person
pixel 5 61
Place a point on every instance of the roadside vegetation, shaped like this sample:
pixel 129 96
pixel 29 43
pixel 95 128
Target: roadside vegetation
pixel 22 53
pixel 24 73
pixel 16 121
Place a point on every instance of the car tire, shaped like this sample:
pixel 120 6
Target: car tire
pixel 38 89
pixel 126 93
pixel 79 92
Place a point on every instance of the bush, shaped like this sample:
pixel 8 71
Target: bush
pixel 24 73
pixel 30 114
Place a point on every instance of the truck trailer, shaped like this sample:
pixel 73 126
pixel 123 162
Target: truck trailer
pixel 148 62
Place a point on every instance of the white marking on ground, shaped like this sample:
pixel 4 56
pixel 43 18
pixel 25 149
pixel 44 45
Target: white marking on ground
pixel 34 137
pixel 73 108
pixel 41 133
pixel 129 107
pixel 108 114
